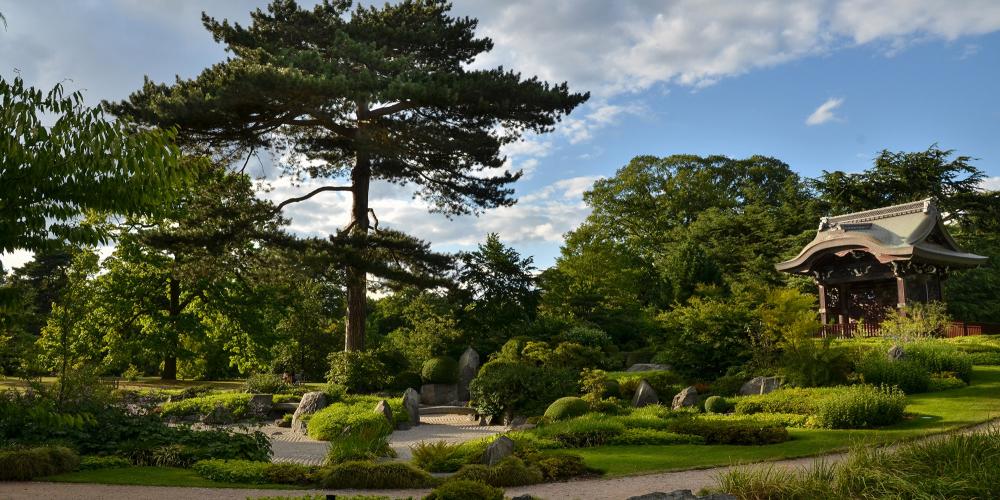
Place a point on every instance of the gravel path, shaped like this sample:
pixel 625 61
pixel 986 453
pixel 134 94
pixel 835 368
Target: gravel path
pixel 597 489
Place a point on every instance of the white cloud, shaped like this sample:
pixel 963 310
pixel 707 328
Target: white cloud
pixel 17 258
pixel 991 183
pixel 825 112
pixel 597 115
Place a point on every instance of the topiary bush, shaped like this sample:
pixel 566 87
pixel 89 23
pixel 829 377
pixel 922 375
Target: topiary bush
pixel 876 369
pixel 520 388
pixel 407 380
pixel 235 407
pixel 359 372
pixel 567 407
pixel 375 475
pixel 511 471
pixel 440 370
pixel 730 431
pixel 265 383
pixel 463 489
pixel 860 407
pixel 560 466
pixel 29 463
pixel 717 404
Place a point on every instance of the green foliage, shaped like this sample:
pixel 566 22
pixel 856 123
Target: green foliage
pixel 945 383
pixel 566 407
pixel 440 370
pixel 984 358
pixel 439 456
pixel 663 382
pixel 643 437
pixel 790 400
pixel 560 466
pixel 249 472
pixel 740 432
pixel 429 328
pixel 585 431
pixel 764 419
pixel 30 463
pixel 717 404
pixel 236 406
pixel 596 384
pixel 921 321
pixel 706 336
pixel 860 407
pixel 339 419
pixel 364 441
pixel 265 383
pixel 360 372
pixel 519 387
pixel 462 489
pixel 940 358
pixel 92 462
pixel 586 335
pixel 876 368
pixel 728 385
pixel 511 471
pixel 374 475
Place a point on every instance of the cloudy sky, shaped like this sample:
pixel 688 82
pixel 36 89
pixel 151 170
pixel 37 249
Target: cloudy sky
pixel 818 84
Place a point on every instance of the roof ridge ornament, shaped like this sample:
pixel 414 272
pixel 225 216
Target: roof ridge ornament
pixel 923 206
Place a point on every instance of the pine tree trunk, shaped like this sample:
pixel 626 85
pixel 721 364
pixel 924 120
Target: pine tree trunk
pixel 174 312
pixel 357 279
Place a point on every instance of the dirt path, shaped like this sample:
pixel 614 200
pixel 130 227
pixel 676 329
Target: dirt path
pixel 597 489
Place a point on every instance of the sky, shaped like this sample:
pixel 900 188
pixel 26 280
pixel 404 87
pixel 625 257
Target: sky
pixel 821 85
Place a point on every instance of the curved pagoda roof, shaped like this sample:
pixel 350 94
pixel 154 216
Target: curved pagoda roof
pixel 911 231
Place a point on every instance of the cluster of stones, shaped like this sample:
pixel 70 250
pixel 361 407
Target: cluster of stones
pixel 452 394
pixel 688 397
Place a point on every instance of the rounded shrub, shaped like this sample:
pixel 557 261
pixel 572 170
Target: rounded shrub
pixel 717 404
pixel 511 471
pixel 265 383
pixel 26 464
pixel 567 407
pixel 406 380
pixel 440 370
pixel 358 371
pixel 465 490
pixel 375 475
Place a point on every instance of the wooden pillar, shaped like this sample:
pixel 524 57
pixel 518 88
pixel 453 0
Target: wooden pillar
pixel 822 304
pixel 843 290
pixel 901 295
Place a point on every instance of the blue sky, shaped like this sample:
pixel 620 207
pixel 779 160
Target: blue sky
pixel 702 77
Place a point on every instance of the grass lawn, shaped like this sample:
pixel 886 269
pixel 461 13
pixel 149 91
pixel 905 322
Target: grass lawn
pixel 154 476
pixel 931 413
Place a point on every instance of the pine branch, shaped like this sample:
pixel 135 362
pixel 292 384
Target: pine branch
pixel 312 193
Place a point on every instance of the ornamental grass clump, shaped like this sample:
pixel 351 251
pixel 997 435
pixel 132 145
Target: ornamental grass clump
pixel 440 456
pixel 29 463
pixel 588 430
pixel 375 475
pixel 860 407
pixel 938 357
pixel 465 490
pixel 511 471
pixel 251 472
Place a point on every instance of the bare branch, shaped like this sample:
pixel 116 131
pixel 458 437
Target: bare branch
pixel 312 193
pixel 372 212
pixel 388 110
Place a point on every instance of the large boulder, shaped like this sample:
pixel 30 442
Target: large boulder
pixel 260 405
pixel 644 395
pixel 439 394
pixel 311 402
pixel 219 415
pixel 760 385
pixel 383 408
pixel 896 353
pixel 468 366
pixel 649 367
pixel 411 401
pixel 498 450
pixel 685 399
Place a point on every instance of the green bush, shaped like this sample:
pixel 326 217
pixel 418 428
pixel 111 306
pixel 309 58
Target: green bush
pixel 727 385
pixel 730 431
pixel 567 407
pixel 518 387
pixel 375 475
pixel 663 382
pixel 361 442
pixel 91 462
pixel 984 358
pixel 439 456
pixel 944 384
pixel 339 419
pixel 287 473
pixel 249 472
pixel 800 401
pixel 511 471
pixel 597 384
pixel 717 404
pixel 938 357
pixel 29 463
pixel 560 466
pixel 236 407
pixel 465 490
pixel 642 436
pixel 360 372
pixel 764 419
pixel 859 407
pixel 588 430
pixel 265 383
pixel 440 370
pixel 407 380
pixel 875 368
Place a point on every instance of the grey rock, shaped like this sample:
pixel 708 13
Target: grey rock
pixel 311 403
pixel 260 404
pixel 468 367
pixel 688 397
pixel 411 401
pixel 219 415
pixel 517 421
pixel 896 353
pixel 439 394
pixel 498 450
pixel 760 385
pixel 649 367
pixel 299 427
pixel 523 497
pixel 644 395
pixel 682 495
pixel 383 408
pixel 403 426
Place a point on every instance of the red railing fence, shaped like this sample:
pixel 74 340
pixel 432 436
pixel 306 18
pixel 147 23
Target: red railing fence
pixel 955 329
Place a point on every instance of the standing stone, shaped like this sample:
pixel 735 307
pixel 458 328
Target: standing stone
pixel 686 398
pixel 644 395
pixel 411 401
pixel 439 394
pixel 311 403
pixel 649 367
pixel 219 415
pixel 498 450
pixel 896 353
pixel 383 408
pixel 468 366
pixel 760 385
pixel 260 404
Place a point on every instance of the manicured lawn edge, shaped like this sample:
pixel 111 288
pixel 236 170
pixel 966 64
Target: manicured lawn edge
pixel 155 476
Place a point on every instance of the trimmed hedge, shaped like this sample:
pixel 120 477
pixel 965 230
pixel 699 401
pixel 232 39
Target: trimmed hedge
pixel 792 400
pixel 440 370
pixel 464 489
pixel 653 436
pixel 581 432
pixel 29 463
pixel 567 407
pixel 766 419
pixel 859 407
pixel 237 406
pixel 511 471
pixel 249 472
pixel 375 475
pixel 91 462
pixel 876 369
pixel 730 431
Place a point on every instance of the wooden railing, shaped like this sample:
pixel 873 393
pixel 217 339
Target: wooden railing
pixel 955 329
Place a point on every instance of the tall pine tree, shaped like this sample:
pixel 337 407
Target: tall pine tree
pixel 374 93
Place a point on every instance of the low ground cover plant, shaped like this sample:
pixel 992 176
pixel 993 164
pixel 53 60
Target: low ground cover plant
pixel 375 475
pixel 511 471
pixel 353 414
pixel 250 472
pixel 28 463
pixel 730 431
pixel 464 489
pixel 440 456
pixel 860 407
pixel 235 407
pixel 265 383
pixel 91 462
